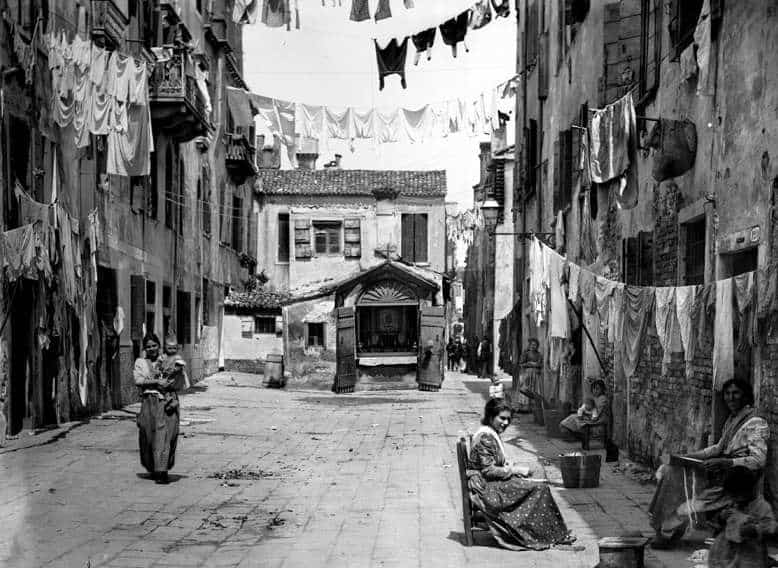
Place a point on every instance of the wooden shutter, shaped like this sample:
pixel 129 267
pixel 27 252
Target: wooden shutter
pixel 611 82
pixel 543 65
pixel 345 351
pixel 352 238
pixel 420 237
pixel 532 156
pixel 406 241
pixel 302 238
pixel 137 306
pixel 432 326
pixel 533 30
pixel 557 196
pixel 566 173
pixel 651 55
pixel 283 237
pixel 646 258
pixel 630 260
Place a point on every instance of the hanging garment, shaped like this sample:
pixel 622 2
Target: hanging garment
pixel 360 11
pixel 364 124
pixel 93 218
pixel 418 124
pixel 502 8
pixel 388 126
pixel 767 295
pixel 19 253
pixel 675 145
pixel 684 301
pixel 423 41
pixel 588 239
pixel 98 66
pixel 667 328
pixel 309 121
pixel 201 78
pixel 703 309
pixel 276 13
pixel 559 324
pixel 383 11
pixel 480 14
pixel 586 286
pixel 245 11
pixel 338 124
pixel 573 281
pixel 559 232
pixel 128 152
pixel 702 39
pixel 539 281
pixel 391 60
pixel 603 291
pixel 723 338
pixel 638 304
pixel 745 288
pixel 139 87
pixel 66 238
pixel 613 132
pixel 616 314
pixel 454 31
pixel 119 71
pixel 455 120
pixel 408 4
pixel 30 210
pixel 688 63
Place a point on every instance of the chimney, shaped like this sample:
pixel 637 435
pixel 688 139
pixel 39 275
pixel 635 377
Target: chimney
pixel 306 160
pixel 333 164
pixel 338 157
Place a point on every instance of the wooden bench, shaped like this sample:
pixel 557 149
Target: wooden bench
pixel 472 518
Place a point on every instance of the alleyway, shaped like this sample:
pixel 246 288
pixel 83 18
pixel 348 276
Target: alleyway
pixel 287 478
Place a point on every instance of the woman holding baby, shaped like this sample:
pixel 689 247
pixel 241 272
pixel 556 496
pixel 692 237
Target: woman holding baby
pixel 595 410
pixel 158 379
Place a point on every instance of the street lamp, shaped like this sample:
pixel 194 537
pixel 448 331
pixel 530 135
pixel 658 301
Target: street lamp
pixel 490 210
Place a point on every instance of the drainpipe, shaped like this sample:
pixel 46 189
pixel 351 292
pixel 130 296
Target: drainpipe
pixel 524 247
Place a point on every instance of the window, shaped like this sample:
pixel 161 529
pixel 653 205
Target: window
pixel 283 237
pixel 740 262
pixel 638 259
pixel 138 193
pixel 184 317
pixel 326 237
pixel 167 301
pixel 352 237
pixel 206 302
pixel 265 324
pixel 179 209
pixel 683 21
pixel 414 237
pixel 563 170
pixel 315 335
pixel 533 33
pixel 650 48
pixel 532 164
pixel 694 253
pixel 152 196
pixel 237 223
pixel 169 190
pixel 205 204
pixel 247 327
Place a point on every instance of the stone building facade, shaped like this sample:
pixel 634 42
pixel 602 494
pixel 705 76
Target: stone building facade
pixel 711 221
pixel 158 252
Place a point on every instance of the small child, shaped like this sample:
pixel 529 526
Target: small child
pixel 172 365
pixel 588 411
pixel 496 389
pixel 746 522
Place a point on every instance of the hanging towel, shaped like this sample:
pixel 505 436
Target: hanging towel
pixel 480 15
pixel 588 239
pixel 502 8
pixel 667 327
pixel 388 126
pixel 338 124
pixel 702 313
pixel 638 304
pixel 423 41
pixel 360 11
pixel 723 339
pixel 586 287
pixel 539 281
pixel 616 314
pixel 364 124
pixel 383 11
pixel 418 123
pixel 309 121
pixel 276 13
pixel 559 326
pixel 391 60
pixel 684 302
pixel 454 31
pixel 745 288
pixel 573 282
pixel 603 291
pixel 702 39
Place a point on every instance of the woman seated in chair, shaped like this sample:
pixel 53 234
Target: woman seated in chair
pixel 600 414
pixel 521 514
pixel 683 493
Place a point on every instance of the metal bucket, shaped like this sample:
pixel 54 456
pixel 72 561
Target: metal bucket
pixel 274 370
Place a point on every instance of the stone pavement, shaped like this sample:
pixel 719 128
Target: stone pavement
pixel 288 478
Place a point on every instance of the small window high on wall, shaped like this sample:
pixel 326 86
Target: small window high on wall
pixel 283 237
pixel 314 335
pixel 414 237
pixel 694 253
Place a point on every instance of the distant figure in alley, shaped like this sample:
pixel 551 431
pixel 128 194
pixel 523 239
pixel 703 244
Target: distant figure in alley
pixel 158 379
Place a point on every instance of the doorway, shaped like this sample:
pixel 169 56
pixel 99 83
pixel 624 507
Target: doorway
pixel 388 329
pixel 20 349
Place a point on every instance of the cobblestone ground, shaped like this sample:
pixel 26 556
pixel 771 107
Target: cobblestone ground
pixel 288 478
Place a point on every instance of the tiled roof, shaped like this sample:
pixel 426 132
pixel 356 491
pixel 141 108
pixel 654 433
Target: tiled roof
pixel 256 299
pixel 353 182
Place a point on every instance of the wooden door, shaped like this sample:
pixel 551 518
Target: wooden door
pixel 432 324
pixel 346 370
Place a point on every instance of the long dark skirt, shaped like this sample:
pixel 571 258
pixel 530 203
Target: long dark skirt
pixel 157 434
pixel 521 514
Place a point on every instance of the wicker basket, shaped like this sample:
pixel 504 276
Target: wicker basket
pixel 580 471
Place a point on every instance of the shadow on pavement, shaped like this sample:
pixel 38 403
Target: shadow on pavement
pixel 351 400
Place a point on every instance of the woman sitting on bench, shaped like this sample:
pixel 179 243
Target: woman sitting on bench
pixel 600 414
pixel 521 514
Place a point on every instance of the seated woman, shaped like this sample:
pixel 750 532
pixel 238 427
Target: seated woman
pixel 682 494
pixel 521 514
pixel 600 414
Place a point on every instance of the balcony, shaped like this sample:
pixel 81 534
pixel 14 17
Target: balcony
pixel 240 158
pixel 177 106
pixel 109 23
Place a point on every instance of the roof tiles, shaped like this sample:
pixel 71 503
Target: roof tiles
pixel 353 182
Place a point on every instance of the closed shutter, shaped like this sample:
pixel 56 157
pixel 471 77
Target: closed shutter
pixel 352 238
pixel 420 238
pixel 566 173
pixel 543 66
pixel 611 82
pixel 302 238
pixel 557 197
pixel 406 240
pixel 137 307
pixel 646 258
pixel 652 47
pixel 532 156
pixel 533 30
pixel 630 260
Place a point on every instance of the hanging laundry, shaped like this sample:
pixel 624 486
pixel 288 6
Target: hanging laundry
pixel 30 210
pixel 276 13
pixel 767 294
pixel 703 310
pixel 383 11
pixel 586 287
pixel 201 78
pixel 338 124
pixel 684 302
pixel 391 60
pixel 616 314
pixel 745 296
pixel 702 39
pixel 309 121
pixel 603 291
pixel 667 327
pixel 408 4
pixel 19 253
pixel 455 118
pixel 480 15
pixel 240 107
pixel 98 66
pixel 723 338
pixel 418 124
pixel 66 238
pixel 245 11
pixel 688 63
pixel 638 304
pixel 675 145
pixel 454 31
pixel 364 124
pixel 559 232
pixel 613 133
pixel 502 8
pixel 539 281
pixel 588 239
pixel 423 42
pixel 360 11
pixel 388 126
pixel 573 281
pixel 120 68
pixel 559 323
pixel 129 152
pixel 93 218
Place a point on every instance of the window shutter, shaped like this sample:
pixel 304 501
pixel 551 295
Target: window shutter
pixel 532 34
pixel 543 63
pixel 646 258
pixel 138 306
pixel 566 173
pixel 612 73
pixel 716 10
pixel 532 157
pixel 674 27
pixel 420 237
pixel 406 241
pixel 302 238
pixel 630 44
pixel 352 238
pixel 652 47
pixel 557 194
pixel 630 260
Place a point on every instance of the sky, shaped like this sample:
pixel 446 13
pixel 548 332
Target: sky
pixel 331 61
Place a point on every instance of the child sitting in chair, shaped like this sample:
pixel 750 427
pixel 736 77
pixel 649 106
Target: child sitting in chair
pixel 588 411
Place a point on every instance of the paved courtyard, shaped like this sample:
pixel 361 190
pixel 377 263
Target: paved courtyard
pixel 292 478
